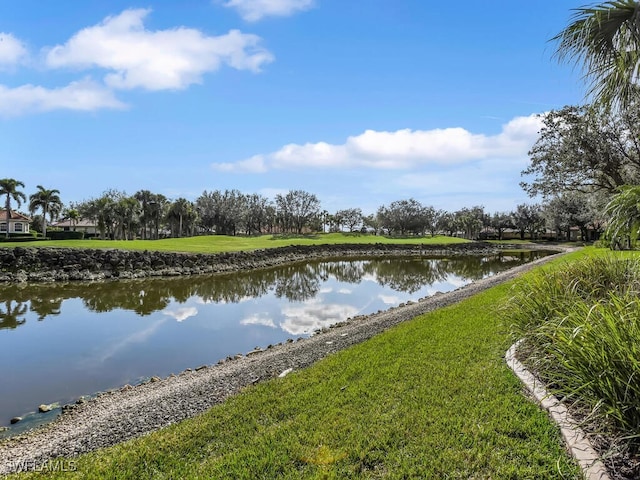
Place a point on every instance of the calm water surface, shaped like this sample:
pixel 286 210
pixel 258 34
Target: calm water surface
pixel 62 341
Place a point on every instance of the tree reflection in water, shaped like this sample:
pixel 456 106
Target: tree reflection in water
pixel 296 282
pixel 10 313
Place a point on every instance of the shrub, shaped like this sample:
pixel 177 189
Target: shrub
pixel 62 235
pixel 19 237
pixel 580 327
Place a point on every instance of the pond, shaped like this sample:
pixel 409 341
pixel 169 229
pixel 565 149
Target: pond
pixel 61 341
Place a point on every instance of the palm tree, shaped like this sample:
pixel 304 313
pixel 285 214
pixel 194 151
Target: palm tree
pixel 624 217
pixel 605 40
pixel 9 187
pixel 181 216
pixel 156 208
pixel 73 215
pixel 127 211
pixel 49 201
pixel 145 197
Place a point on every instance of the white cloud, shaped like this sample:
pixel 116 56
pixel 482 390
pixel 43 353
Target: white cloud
pixel 254 164
pixel 83 95
pixel 12 50
pixel 254 10
pixel 319 154
pixel 155 60
pixel 401 149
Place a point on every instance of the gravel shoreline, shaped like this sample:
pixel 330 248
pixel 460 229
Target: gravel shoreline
pixel 130 412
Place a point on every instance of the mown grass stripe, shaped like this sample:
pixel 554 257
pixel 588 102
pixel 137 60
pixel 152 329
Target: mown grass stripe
pixel 225 243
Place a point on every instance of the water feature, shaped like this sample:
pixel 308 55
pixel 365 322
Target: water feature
pixel 61 341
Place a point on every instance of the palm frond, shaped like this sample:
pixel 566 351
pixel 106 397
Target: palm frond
pixel 605 41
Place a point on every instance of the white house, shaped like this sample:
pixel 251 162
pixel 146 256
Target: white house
pixel 89 227
pixel 18 223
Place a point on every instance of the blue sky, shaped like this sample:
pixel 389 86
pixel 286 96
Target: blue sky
pixel 359 102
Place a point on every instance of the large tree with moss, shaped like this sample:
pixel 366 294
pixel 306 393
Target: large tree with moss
pixel 582 149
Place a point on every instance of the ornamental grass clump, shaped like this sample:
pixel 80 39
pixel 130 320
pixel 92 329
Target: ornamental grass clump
pixel 580 332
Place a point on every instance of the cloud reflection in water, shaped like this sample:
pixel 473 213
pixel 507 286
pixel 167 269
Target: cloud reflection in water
pixel 313 315
pixel 258 319
pixel 181 313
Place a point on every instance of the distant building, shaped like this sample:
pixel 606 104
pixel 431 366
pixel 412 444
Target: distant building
pixel 18 223
pixel 89 227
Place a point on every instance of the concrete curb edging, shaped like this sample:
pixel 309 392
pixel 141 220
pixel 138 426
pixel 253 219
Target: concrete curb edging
pixel 575 439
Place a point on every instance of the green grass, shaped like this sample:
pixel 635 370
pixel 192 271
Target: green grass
pixel 512 241
pixel 224 243
pixel 581 328
pixel 430 398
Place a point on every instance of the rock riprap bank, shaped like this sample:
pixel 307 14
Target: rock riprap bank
pixel 49 264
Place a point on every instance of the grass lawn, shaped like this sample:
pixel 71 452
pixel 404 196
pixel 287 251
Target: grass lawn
pixel 224 243
pixel 430 398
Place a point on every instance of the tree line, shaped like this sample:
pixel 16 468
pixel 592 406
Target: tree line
pixel 149 215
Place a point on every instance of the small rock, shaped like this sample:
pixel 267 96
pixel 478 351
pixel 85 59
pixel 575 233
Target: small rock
pixel 285 372
pixel 201 367
pixel 15 420
pixel 45 408
pixel 154 379
pixel 4 429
